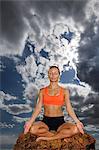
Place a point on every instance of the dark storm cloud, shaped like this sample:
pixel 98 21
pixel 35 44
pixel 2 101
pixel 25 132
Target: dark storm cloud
pixel 88 66
pixel 14 12
pixel 12 25
pixel 55 8
pixel 92 99
pixel 87 107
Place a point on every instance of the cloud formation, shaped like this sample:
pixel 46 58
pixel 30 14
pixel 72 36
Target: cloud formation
pixel 6 96
pixel 88 52
pixel 14 109
pixel 22 18
pixel 5 125
pixel 19 18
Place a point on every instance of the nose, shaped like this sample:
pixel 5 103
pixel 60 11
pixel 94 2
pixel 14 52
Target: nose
pixel 52 74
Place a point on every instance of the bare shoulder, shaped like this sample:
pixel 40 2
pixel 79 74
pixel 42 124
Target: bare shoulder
pixel 65 90
pixel 42 90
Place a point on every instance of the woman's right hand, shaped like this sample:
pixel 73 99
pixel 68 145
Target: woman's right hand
pixel 80 126
pixel 27 126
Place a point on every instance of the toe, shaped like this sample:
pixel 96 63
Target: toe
pixel 37 139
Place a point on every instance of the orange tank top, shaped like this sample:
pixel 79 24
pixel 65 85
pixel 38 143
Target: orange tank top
pixel 53 100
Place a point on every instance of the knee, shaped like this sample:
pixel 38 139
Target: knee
pixel 33 130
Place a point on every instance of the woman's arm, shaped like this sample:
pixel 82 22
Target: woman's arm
pixel 36 112
pixel 71 111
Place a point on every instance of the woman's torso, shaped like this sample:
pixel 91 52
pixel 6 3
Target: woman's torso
pixel 53 100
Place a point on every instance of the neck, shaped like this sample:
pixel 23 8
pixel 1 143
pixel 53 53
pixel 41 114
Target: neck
pixel 53 85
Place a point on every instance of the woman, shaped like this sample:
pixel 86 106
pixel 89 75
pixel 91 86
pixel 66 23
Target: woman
pixel 53 97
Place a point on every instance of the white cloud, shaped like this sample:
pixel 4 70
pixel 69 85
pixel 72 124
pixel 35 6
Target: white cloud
pixel 81 90
pixel 19 119
pixel 31 91
pixel 88 107
pixel 91 127
pixel 17 109
pixel 14 109
pixel 6 96
pixel 5 125
pixel 59 53
pixel 28 70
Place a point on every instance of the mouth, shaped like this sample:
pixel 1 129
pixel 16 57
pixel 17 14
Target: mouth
pixel 53 78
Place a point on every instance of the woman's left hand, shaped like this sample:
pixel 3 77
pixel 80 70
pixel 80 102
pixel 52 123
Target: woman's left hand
pixel 80 126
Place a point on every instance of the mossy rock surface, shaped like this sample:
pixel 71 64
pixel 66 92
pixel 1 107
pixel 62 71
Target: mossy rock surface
pixel 76 142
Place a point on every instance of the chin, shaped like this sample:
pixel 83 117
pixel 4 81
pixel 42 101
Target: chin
pixel 53 80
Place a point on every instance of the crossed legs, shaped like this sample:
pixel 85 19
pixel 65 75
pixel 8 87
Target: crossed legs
pixel 42 131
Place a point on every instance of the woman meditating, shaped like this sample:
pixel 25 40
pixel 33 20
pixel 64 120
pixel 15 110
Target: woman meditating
pixel 53 97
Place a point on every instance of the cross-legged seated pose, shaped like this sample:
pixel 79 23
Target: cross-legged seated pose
pixel 53 97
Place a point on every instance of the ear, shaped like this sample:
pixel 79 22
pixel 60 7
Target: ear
pixel 59 78
pixel 48 76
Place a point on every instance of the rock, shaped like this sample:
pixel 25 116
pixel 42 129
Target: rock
pixel 76 142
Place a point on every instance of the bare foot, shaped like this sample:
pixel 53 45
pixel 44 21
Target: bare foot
pixel 67 139
pixel 42 138
pixel 47 136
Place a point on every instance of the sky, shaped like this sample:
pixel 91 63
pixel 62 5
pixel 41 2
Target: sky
pixel 21 18
pixel 43 22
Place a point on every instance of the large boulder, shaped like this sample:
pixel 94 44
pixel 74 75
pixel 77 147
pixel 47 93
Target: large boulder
pixel 76 142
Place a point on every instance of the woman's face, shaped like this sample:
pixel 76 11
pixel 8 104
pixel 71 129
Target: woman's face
pixel 53 74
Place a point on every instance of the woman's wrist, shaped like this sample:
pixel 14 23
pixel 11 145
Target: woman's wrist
pixel 30 120
pixel 77 121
